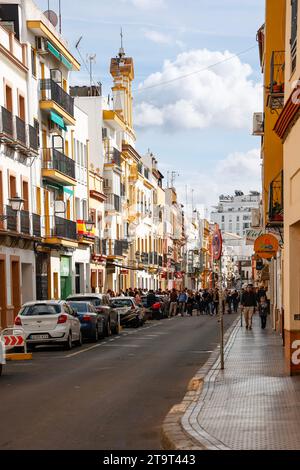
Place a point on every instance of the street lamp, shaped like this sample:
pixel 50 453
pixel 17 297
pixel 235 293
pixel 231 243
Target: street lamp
pixel 16 204
pixel 89 225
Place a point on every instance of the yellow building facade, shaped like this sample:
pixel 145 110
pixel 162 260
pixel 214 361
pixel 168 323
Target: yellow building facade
pixel 287 129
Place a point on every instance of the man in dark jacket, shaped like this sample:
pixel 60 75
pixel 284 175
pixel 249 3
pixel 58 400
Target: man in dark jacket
pixel 151 299
pixel 249 303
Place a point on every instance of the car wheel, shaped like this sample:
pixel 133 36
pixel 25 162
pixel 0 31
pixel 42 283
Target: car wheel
pixel 31 347
pixel 69 343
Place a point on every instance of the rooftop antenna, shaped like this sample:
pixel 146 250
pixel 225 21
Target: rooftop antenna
pixel 59 15
pixel 92 59
pixel 174 174
pixel 78 42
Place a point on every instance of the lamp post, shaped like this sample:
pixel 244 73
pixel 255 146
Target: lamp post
pixel 16 204
pixel 89 225
pixel 217 245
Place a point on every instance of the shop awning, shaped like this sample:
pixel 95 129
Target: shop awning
pixel 58 120
pixel 58 55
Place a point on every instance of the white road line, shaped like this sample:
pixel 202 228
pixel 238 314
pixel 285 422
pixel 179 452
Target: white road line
pixel 85 350
pixel 123 345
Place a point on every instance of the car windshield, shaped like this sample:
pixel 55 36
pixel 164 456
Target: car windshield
pixel 91 300
pixel 40 309
pixel 121 303
pixel 79 306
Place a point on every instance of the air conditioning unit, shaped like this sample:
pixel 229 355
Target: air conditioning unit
pixel 41 45
pixel 258 124
pixel 56 76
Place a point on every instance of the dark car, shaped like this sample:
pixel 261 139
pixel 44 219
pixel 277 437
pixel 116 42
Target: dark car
pixel 131 315
pixel 155 312
pixel 101 304
pixel 91 321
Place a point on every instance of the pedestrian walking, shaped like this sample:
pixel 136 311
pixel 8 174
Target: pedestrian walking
pixel 263 310
pixel 190 304
pixel 249 303
pixel 173 303
pixel 182 302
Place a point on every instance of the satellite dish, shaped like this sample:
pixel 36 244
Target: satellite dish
pixel 52 17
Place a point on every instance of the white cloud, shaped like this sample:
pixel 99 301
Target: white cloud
pixel 220 96
pixel 146 4
pixel 157 37
pixel 238 171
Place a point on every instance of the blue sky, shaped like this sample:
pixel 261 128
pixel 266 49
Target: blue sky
pixel 199 126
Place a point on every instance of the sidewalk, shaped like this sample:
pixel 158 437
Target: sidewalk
pixel 252 404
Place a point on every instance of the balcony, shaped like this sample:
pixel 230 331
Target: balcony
pixel 58 167
pixel 98 250
pixel 113 157
pixel 36 225
pixel 33 138
pixel 276 88
pixel 20 133
pixel 53 97
pixel 6 125
pixel 25 222
pixel 113 203
pixel 22 222
pixel 115 248
pixel 65 228
pixel 276 203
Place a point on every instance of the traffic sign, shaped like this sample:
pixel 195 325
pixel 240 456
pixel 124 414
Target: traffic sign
pixel 13 340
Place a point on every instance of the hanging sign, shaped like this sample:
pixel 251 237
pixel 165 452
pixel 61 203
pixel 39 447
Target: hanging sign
pixel 217 244
pixel 266 246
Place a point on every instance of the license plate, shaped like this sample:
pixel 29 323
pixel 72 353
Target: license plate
pixel 39 337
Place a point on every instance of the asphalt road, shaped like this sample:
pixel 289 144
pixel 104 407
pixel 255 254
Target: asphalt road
pixel 110 396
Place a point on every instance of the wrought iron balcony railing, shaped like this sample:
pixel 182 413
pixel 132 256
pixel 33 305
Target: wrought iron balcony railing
pixel 36 225
pixel 33 138
pixel 113 157
pixel 64 228
pixel 6 123
pixel 276 201
pixel 20 131
pixel 276 91
pixel 51 91
pixel 25 222
pixel 55 160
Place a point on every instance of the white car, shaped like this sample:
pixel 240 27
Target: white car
pixel 49 322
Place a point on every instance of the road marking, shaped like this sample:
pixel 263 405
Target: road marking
pixel 124 345
pixel 84 350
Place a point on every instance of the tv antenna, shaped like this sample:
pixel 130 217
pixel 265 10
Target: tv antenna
pixel 121 51
pixel 92 60
pixel 174 175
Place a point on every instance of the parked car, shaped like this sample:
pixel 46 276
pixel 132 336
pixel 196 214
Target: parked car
pixel 92 322
pixel 101 303
pixel 156 311
pixel 131 315
pixel 49 322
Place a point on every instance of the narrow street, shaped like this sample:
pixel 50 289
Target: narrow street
pixel 112 395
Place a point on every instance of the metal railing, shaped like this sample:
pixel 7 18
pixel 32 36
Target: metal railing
pixel 36 225
pixel 64 228
pixel 113 156
pixel 276 202
pixel 6 122
pixel 113 203
pixel 277 78
pixel 50 90
pixel 25 222
pixel 33 138
pixel 12 219
pixel 55 160
pixel 20 131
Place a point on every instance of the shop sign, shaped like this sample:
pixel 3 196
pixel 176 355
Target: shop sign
pixel 266 246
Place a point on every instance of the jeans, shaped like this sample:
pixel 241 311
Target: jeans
pixel 263 319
